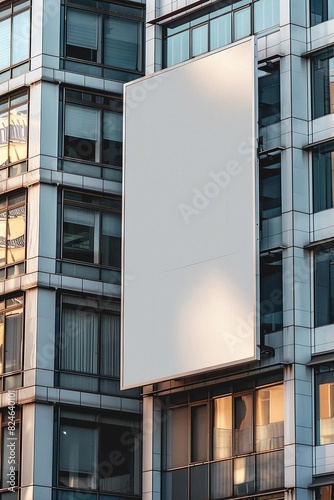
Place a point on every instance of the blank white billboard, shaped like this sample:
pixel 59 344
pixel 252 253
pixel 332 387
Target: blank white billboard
pixel 190 226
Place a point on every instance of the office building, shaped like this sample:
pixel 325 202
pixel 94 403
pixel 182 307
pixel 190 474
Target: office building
pixel 72 433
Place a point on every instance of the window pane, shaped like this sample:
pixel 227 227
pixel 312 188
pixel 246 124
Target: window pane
pixel 222 428
pixel 111 240
pixel 13 336
pixel 243 424
pixel 18 133
pixel 79 345
pixel 78 457
pixel 199 433
pixel 326 413
pixel 122 43
pixel 112 138
pixel 177 437
pixel 221 479
pixel 82 35
pixel 175 485
pixel 270 187
pixel 2 336
pixel 78 234
pixel 241 23
pixel 199 482
pixel 271 294
pixel 16 226
pixel 3 238
pixel 270 471
pixel 20 37
pixel 269 96
pixel 269 430
pixel 7 437
pixel 220 31
pixel 81 121
pixel 200 40
pixel 323 286
pixel 119 467
pixel 266 14
pixel 244 475
pixel 4 138
pixel 323 179
pixel 5 44
pixel 323 84
pixel 178 48
pixel 110 349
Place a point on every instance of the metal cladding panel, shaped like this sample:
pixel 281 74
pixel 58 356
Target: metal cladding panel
pixel 189 221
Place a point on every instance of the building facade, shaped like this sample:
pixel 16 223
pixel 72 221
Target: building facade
pixel 67 430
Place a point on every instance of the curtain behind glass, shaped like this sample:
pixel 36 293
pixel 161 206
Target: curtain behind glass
pixel 78 456
pixel 109 357
pixel 5 44
pixel 269 428
pixel 220 31
pixel 222 428
pixel 13 335
pixel 79 345
pixel 81 121
pixel 122 43
pixel 82 29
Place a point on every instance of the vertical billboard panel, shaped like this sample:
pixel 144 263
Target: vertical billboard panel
pixel 189 220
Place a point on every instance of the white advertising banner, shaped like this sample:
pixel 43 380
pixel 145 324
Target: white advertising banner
pixel 190 230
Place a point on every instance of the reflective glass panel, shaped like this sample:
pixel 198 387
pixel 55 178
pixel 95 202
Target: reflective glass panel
pixel 178 48
pixel 242 23
pixel 200 39
pixel 222 428
pixel 220 31
pixel 243 424
pixel 269 426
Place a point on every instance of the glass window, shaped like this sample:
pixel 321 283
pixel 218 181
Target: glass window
pixel 92 235
pixel 325 492
pixel 271 293
pixel 177 48
pixel 200 40
pixel 10 450
pixel 220 31
pixel 103 36
pixel 89 340
pixel 324 285
pixel 270 187
pixel 241 23
pixel 214 27
pixel 14 39
pixel 12 235
pixel 266 14
pixel 93 131
pixel 321 10
pixel 11 337
pixel 13 131
pixel 269 94
pixel 222 428
pixel 323 178
pixel 323 83
pixel 324 379
pixel 269 425
pixel 99 452
pixel 237 438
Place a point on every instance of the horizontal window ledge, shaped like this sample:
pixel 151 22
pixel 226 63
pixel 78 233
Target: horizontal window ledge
pixel 323 480
pixel 314 52
pixel 326 242
pixel 318 359
pixel 317 143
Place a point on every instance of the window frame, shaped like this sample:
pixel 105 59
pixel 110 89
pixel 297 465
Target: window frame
pixel 90 419
pixel 188 24
pixel 230 392
pixel 106 10
pixel 22 66
pixel 83 269
pixel 98 307
pixel 325 105
pixel 101 103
